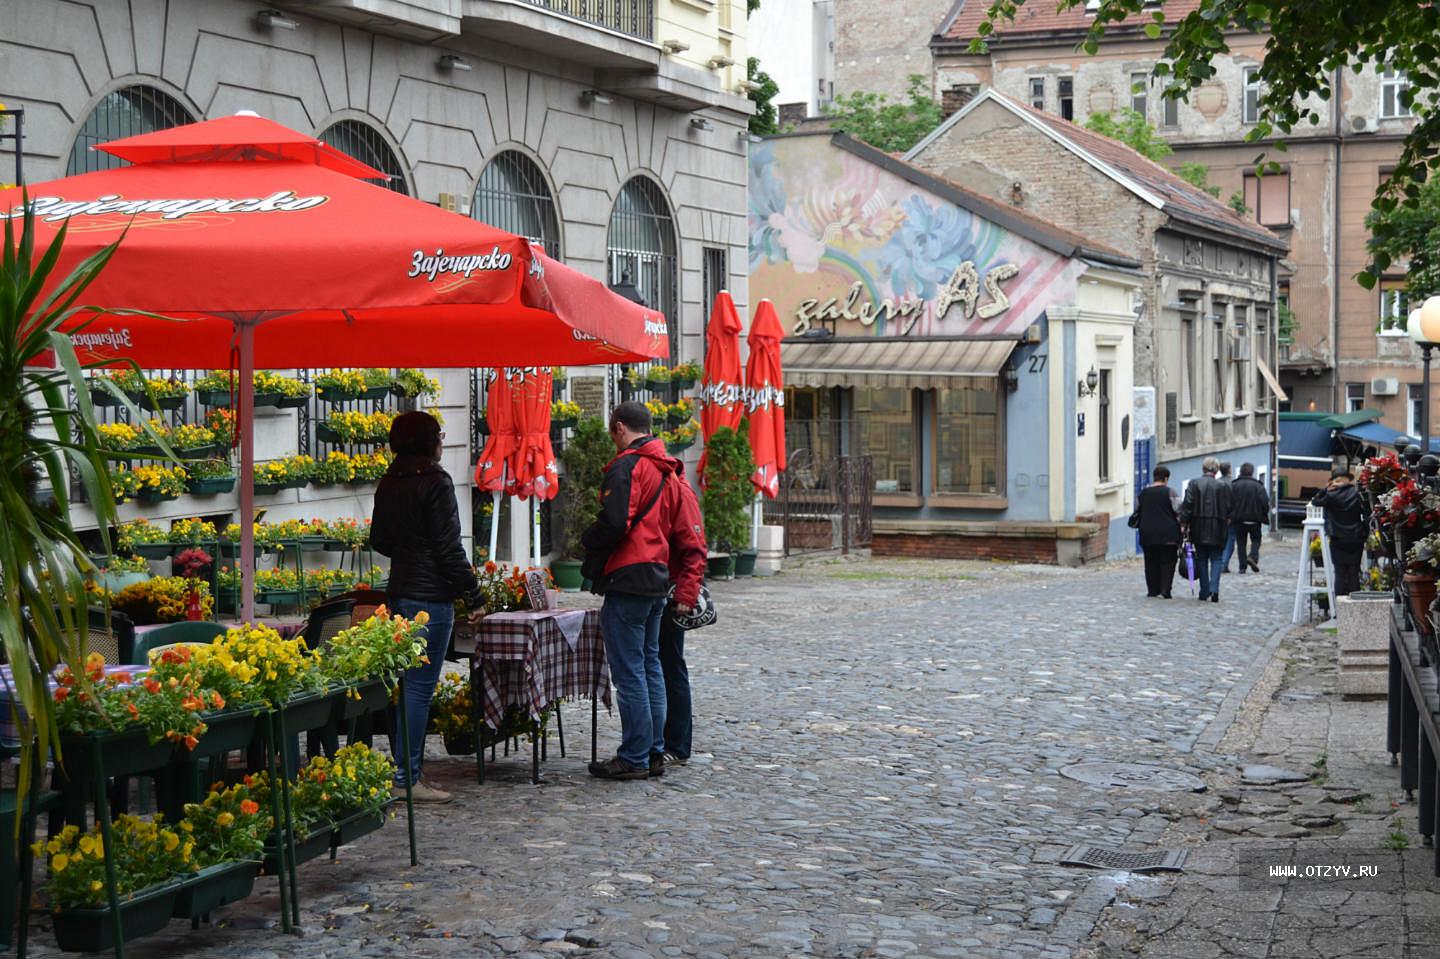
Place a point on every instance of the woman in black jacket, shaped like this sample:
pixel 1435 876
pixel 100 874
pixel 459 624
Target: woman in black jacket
pixel 417 524
pixel 1159 525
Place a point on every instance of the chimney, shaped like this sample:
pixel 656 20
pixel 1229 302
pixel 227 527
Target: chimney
pixel 791 114
pixel 956 97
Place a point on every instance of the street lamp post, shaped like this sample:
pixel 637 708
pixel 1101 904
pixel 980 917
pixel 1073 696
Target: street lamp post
pixel 1424 328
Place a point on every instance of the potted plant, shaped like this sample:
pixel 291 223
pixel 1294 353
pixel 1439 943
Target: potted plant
pixel 191 564
pixel 162 599
pixel 681 438
pixel 344 535
pixel 727 498
pixel 679 412
pixel 411 383
pixel 451 713
pixel 192 442
pixel 684 375
pixel 117 572
pixel 216 387
pixel 335 468
pixel 1411 510
pixel 192 532
pixel 657 377
pixel 564 414
pixel 159 484
pixel 140 537
pixel 354 427
pixel 378 383
pixel 369 467
pixel 584 458
pixel 340 386
pixel 228 828
pixel 277 587
pixel 209 477
pixel 1317 556
pixel 1422 564
pixel 227 589
pixel 119 437
pixel 272 389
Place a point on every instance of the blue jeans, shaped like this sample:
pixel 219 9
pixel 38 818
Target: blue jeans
pixel 1230 549
pixel 420 682
pixel 630 625
pixel 1209 561
pixel 677 689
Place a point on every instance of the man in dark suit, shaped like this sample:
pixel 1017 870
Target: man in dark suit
pixel 1205 514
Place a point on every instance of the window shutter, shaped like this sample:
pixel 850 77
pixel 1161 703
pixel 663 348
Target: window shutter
pixel 1172 419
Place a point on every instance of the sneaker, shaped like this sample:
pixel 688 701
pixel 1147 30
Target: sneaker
pixel 672 759
pixel 617 768
pixel 423 792
pixel 657 765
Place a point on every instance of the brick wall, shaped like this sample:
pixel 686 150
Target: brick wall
pixel 880 43
pixel 790 113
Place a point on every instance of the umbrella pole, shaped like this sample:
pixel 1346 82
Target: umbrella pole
pixel 245 427
pixel 495 516
pixel 535 530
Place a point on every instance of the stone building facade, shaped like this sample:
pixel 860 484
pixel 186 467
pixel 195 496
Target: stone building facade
pixel 1337 356
pixel 616 135
pixel 1205 338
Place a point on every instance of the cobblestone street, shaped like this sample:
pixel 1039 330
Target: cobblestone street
pixel 878 746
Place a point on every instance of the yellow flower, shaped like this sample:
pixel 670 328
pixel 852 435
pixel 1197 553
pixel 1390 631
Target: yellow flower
pixel 59 863
pixel 172 840
pixel 96 885
pixel 224 819
pixel 87 844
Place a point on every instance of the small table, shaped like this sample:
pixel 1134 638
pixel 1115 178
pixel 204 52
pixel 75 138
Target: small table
pixel 533 658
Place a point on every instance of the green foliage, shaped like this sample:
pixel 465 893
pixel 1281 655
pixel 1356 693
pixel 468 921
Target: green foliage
pixel 1197 174
pixel 1309 43
pixel 1237 203
pixel 728 493
pixel 890 126
pixel 1131 129
pixel 1284 323
pixel 751 6
pixel 764 120
pixel 584 456
pixel 1411 232
pixel 43 606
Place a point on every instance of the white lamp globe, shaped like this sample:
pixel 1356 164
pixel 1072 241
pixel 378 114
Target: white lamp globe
pixel 1430 320
pixel 1412 325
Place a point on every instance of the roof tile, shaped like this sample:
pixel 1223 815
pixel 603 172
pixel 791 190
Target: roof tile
pixel 1039 17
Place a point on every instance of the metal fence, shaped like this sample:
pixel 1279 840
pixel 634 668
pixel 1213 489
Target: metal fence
pixel 634 17
pixel 824 505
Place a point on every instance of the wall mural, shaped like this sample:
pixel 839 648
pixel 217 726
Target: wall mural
pixel 836 241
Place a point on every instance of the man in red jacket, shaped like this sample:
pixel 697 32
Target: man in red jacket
pixel 649 525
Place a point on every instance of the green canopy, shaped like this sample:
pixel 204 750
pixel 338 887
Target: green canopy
pixel 1343 421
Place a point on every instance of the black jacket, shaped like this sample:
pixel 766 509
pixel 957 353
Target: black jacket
pixel 1206 511
pixel 1159 526
pixel 1249 501
pixel 1345 521
pixel 417 524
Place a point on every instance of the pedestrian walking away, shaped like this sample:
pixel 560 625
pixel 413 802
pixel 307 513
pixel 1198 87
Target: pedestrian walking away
pixel 1224 477
pixel 1157 518
pixel 1347 526
pixel 648 530
pixel 1205 514
pixel 1249 510
pixel 417 524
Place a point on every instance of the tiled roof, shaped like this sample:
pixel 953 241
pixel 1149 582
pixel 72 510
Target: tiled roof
pixel 1039 18
pixel 1181 199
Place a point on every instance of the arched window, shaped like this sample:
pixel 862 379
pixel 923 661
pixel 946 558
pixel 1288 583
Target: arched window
pixel 124 113
pixel 512 195
pixel 364 143
pixel 642 250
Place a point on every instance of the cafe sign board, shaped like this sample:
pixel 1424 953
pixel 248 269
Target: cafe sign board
pixel 839 242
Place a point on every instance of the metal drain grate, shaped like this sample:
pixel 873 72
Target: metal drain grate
pixel 1133 776
pixel 1163 860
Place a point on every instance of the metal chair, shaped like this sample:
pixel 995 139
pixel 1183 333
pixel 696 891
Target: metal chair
pixel 174 634
pixel 325 620
pixel 110 633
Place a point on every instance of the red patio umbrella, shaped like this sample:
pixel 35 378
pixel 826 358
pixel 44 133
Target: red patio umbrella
pixel 265 246
pixel 720 387
pixel 517 459
pixel 765 399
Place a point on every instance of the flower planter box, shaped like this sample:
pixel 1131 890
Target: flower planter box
pixel 149 452
pixel 360 824
pixel 154 550
pixel 361 482
pixel 720 566
pixel 567 574
pixel 213 887
pixel 675 449
pixel 307 712
pixel 213 397
pixel 322 484
pixel 125 753
pixel 672 420
pixel 374 697
pixel 311 544
pixel 683 383
pixel 298 483
pixel 745 562
pixel 315 843
pixel 225 730
pixel 336 546
pixel 160 402
pixel 564 423
pixel 334 394
pixel 656 385
pixel 267 399
pixel 198 452
pixel 376 392
pixel 293 402
pixel 277 597
pixel 93 930
pixel 270 489
pixel 211 486
pixel 115 582
pixel 232 550
pixel 104 398
pixel 155 496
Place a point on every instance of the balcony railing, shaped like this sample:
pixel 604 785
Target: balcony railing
pixel 633 17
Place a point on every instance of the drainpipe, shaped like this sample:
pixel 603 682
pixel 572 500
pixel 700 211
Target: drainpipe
pixel 1337 83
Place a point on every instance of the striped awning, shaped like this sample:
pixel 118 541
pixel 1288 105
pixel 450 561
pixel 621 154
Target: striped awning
pixel 919 362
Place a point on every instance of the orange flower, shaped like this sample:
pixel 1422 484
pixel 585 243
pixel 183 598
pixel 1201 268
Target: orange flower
pixel 490 567
pixel 191 742
pixel 134 713
pixel 320 776
pixel 216 700
pixel 62 693
pixel 151 686
pixel 122 678
pixel 249 807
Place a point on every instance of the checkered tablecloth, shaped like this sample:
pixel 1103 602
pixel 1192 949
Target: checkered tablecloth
pixel 526 659
pixel 10 717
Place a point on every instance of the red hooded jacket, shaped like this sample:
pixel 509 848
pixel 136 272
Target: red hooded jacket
pixel 667 544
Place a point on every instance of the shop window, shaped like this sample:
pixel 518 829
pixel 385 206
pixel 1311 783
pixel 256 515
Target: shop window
pixel 1139 92
pixel 1268 198
pixel 365 143
pixel 1394 94
pixel 969 438
pixel 1103 434
pixel 512 195
pixel 1394 307
pixel 885 432
pixel 812 428
pixel 1250 104
pixel 1037 92
pixel 1354 397
pixel 1066 94
pixel 124 113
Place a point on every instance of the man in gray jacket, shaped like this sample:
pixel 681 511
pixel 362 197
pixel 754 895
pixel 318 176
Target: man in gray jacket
pixel 1205 514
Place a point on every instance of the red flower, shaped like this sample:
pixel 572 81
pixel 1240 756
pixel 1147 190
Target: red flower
pixel 151 686
pixel 249 807
pixel 62 693
pixel 191 742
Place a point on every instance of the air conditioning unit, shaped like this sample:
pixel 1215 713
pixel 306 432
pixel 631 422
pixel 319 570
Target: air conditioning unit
pixel 453 202
pixel 1364 124
pixel 1385 386
pixel 1240 348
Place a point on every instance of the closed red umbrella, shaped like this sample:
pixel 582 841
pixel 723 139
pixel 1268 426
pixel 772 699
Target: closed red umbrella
pixel 517 459
pixel 720 398
pixel 492 469
pixel 765 399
